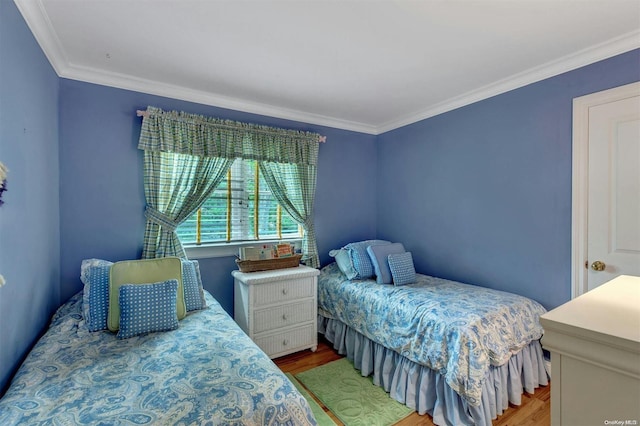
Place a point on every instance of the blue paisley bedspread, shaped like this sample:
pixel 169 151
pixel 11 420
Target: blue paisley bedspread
pixel 456 329
pixel 206 372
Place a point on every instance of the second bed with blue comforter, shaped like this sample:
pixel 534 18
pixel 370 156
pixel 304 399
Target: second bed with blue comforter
pixel 483 342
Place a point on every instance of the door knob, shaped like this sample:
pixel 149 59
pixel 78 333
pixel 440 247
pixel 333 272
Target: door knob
pixel 598 266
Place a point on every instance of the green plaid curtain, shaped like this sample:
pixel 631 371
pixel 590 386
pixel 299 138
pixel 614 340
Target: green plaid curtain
pixel 294 186
pixel 211 137
pixel 187 156
pixel 175 186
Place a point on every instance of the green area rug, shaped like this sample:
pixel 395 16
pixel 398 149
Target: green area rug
pixel 322 418
pixel 354 399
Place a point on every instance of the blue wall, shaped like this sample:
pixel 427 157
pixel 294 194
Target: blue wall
pixel 102 198
pixel 29 219
pixel 482 194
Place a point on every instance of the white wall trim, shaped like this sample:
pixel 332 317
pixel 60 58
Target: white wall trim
pixel 36 18
pixel 127 82
pixel 576 60
pixel 580 179
pixel 38 22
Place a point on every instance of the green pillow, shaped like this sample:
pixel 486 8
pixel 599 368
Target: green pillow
pixel 143 272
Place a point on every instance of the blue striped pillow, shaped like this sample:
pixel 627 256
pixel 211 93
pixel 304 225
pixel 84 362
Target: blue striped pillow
pixel 192 284
pixel 94 274
pixel 147 308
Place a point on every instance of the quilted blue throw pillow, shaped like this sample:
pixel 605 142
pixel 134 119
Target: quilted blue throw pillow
pixel 402 269
pixel 192 283
pixel 146 308
pixel 94 274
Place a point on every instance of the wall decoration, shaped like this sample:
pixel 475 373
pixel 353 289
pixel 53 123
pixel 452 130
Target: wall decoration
pixel 3 180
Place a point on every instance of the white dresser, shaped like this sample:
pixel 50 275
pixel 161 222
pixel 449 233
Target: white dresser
pixel 278 308
pixel 594 342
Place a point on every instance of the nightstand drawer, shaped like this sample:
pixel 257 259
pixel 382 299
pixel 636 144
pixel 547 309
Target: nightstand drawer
pixel 276 292
pixel 278 308
pixel 284 315
pixel 288 341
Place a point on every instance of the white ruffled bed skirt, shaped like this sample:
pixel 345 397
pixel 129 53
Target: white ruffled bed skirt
pixel 426 391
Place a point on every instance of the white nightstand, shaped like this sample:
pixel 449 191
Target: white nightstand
pixel 278 308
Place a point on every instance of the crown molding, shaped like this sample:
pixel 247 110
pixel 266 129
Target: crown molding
pixel 127 82
pixel 35 15
pixel 610 48
pixel 38 22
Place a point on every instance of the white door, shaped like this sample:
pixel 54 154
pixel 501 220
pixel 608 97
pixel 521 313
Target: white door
pixel 608 142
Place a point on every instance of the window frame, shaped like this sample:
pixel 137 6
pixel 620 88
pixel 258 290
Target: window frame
pixel 211 250
pixel 220 248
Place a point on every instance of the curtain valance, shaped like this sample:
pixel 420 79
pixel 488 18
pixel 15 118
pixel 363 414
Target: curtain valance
pixel 201 136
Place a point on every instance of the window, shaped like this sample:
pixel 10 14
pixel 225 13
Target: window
pixel 240 209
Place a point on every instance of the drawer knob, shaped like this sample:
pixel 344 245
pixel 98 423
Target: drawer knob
pixel 284 291
pixel 284 317
pixel 285 342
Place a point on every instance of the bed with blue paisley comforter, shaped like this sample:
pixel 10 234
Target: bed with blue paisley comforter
pixel 458 352
pixel 206 372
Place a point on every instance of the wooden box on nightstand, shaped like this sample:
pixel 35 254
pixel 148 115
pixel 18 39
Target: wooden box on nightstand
pixel 278 308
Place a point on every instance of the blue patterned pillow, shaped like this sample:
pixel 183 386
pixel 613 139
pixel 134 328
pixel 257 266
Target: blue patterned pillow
pixel 145 308
pixel 360 258
pixel 379 255
pixel 192 283
pixel 94 274
pixel 402 269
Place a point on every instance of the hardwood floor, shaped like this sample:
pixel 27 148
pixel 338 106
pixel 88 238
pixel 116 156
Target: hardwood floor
pixel 535 409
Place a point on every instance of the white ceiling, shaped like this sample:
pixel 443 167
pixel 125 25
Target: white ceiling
pixel 368 66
